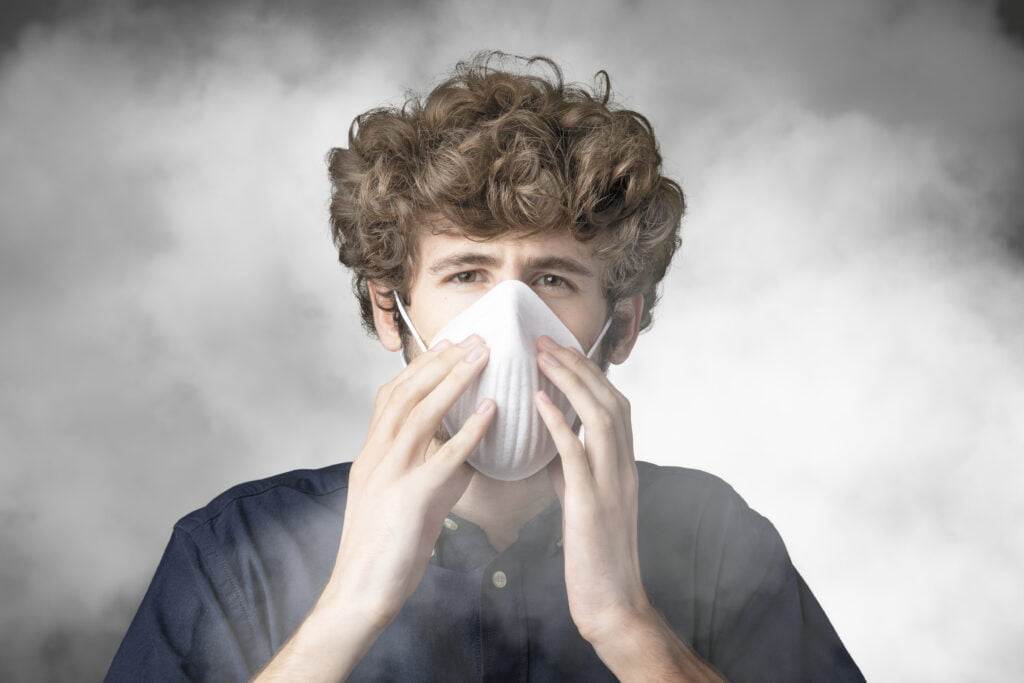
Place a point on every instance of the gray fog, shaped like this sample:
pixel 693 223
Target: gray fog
pixel 841 336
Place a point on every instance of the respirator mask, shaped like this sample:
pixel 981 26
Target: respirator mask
pixel 509 317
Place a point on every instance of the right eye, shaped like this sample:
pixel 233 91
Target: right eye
pixel 461 277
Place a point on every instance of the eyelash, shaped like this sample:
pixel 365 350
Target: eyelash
pixel 564 283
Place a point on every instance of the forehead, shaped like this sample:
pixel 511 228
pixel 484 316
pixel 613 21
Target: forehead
pixel 447 240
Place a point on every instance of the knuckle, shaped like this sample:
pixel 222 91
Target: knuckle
pixel 412 420
pixel 459 369
pixel 402 393
pixel 457 443
pixel 610 400
pixel 461 433
pixel 460 376
pixel 421 415
pixel 602 419
pixel 452 355
pixel 453 448
pixel 472 431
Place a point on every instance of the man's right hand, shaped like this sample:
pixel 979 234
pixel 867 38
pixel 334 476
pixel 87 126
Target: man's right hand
pixel 397 499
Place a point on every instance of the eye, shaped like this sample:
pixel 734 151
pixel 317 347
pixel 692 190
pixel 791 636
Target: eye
pixel 549 280
pixel 462 277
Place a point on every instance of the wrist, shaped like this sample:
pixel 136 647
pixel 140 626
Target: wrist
pixel 642 646
pixel 621 627
pixel 334 636
pixel 342 601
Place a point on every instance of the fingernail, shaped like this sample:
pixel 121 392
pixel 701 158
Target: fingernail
pixel 548 359
pixel 484 405
pixel 477 353
pixel 443 344
pixel 469 341
pixel 548 343
pixel 542 396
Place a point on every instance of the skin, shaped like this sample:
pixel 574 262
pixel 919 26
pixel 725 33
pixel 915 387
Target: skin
pixel 408 476
pixel 500 508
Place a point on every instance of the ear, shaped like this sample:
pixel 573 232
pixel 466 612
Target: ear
pixel 384 320
pixel 633 309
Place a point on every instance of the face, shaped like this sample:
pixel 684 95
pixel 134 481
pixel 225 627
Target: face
pixel 453 271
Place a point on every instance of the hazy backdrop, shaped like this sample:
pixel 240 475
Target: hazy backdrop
pixel 841 336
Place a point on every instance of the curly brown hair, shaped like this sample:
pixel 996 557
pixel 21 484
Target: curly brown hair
pixel 495 153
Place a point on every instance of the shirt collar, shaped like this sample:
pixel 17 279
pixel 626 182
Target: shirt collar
pixel 463 545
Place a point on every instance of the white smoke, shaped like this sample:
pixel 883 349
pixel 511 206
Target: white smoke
pixel 840 338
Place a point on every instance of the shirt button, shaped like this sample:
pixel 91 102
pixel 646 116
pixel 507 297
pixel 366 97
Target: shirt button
pixel 499 579
pixel 559 542
pixel 450 524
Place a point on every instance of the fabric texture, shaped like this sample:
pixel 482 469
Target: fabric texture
pixel 239 575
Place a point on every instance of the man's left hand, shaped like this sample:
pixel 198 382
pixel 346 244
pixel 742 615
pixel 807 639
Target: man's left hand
pixel 596 482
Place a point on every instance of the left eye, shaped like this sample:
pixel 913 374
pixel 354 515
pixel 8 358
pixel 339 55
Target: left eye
pixel 552 280
pixel 461 277
pixel 548 280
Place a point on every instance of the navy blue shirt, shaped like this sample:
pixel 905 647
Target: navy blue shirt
pixel 240 575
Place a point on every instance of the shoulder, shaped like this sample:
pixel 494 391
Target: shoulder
pixel 707 513
pixel 685 489
pixel 280 496
pixel 732 551
pixel 656 478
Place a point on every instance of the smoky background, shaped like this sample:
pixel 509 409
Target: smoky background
pixel 840 337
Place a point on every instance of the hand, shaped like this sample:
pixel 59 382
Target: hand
pixel 596 482
pixel 397 499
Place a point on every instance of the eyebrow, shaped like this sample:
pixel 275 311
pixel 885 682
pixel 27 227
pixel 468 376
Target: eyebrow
pixel 471 258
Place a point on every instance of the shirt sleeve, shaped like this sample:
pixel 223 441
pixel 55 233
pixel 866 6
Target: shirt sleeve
pixel 767 624
pixel 185 627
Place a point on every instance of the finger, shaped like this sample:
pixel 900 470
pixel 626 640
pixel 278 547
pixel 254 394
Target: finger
pixel 587 370
pixel 450 457
pixel 426 371
pixel 576 471
pixel 417 384
pixel 628 461
pixel 425 418
pixel 556 475
pixel 384 392
pixel 602 438
pixel 557 478
pixel 597 381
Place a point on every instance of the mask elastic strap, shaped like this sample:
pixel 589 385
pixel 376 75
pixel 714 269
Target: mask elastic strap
pixel 597 341
pixel 419 340
pixel 408 322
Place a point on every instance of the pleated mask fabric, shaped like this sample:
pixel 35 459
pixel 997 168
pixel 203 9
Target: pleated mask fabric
pixel 509 317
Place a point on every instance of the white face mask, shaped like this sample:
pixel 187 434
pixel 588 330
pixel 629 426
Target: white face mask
pixel 509 318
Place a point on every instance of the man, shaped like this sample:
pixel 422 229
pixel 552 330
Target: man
pixel 476 535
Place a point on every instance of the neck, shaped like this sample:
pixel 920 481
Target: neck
pixel 501 508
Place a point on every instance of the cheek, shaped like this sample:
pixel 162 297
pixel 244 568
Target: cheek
pixel 584 319
pixel 441 307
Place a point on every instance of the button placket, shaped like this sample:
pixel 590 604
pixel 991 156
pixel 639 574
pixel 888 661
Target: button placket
pixel 504 643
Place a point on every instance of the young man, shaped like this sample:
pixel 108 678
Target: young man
pixel 495 524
